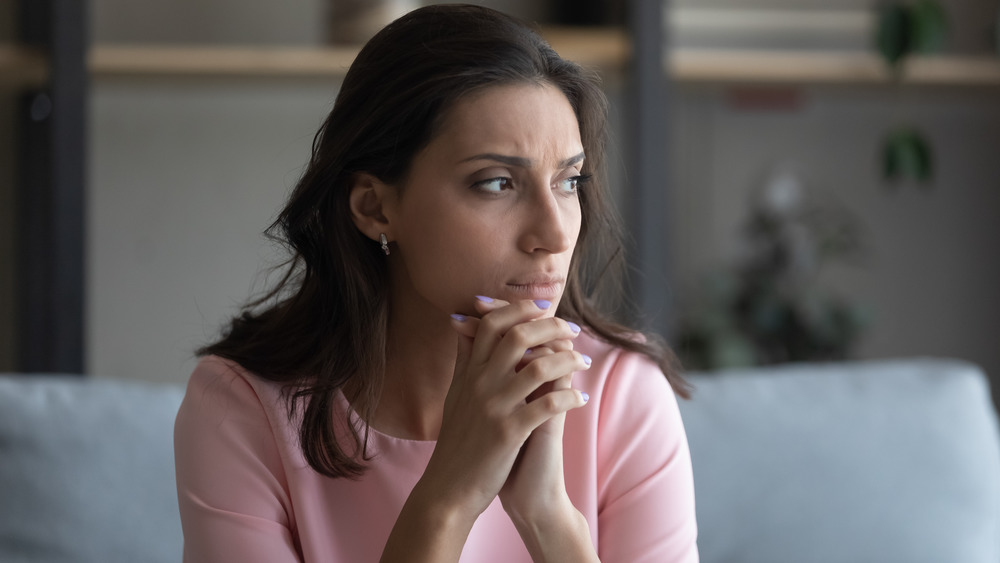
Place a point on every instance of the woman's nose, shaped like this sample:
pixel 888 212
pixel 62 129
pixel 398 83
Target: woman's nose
pixel 550 222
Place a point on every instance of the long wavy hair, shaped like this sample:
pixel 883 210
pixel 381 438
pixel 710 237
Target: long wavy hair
pixel 321 329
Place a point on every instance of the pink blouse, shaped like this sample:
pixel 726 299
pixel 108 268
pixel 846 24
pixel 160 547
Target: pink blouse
pixel 247 494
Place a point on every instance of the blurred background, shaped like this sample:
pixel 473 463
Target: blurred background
pixel 803 180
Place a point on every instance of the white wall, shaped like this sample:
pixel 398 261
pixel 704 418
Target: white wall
pixel 208 21
pixel 971 23
pixel 184 177
pixel 303 22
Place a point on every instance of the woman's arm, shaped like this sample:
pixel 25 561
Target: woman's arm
pixel 428 530
pixel 230 481
pixel 646 507
pixel 562 536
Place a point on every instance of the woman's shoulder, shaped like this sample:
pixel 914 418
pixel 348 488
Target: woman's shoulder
pixel 216 370
pixel 222 387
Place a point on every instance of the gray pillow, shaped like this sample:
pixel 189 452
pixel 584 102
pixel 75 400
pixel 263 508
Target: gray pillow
pixel 889 461
pixel 87 471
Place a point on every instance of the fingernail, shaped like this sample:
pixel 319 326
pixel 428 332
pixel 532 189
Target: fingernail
pixel 574 327
pixel 484 299
pixel 586 396
pixel 587 360
pixel 542 303
pixel 528 351
pixel 459 318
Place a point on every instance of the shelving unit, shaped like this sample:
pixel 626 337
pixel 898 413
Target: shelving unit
pixel 603 48
pixel 830 68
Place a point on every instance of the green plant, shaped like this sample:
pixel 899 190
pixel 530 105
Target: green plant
pixel 907 154
pixel 905 29
pixel 770 307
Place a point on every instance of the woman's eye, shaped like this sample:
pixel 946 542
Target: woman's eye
pixel 493 185
pixel 572 184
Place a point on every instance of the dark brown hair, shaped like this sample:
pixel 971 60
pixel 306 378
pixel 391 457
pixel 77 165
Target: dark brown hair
pixel 322 328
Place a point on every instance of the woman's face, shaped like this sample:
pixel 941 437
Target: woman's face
pixel 490 206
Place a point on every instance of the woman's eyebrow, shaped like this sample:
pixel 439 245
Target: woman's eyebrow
pixel 520 161
pixel 575 159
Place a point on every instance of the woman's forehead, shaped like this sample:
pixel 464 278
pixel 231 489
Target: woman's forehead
pixel 529 121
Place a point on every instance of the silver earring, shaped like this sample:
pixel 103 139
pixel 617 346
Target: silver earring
pixel 385 243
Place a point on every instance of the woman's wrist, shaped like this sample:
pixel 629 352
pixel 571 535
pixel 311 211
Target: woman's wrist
pixel 429 528
pixel 560 534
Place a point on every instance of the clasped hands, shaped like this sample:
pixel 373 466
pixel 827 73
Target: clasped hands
pixel 502 426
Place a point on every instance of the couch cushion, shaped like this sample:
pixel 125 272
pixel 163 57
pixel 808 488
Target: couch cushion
pixel 87 471
pixel 885 461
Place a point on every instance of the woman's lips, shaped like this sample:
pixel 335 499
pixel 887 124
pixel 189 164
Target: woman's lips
pixel 544 288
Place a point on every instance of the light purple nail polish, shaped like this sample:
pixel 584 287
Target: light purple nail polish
pixel 587 360
pixel 528 351
pixel 459 318
pixel 586 396
pixel 574 327
pixel 484 299
pixel 542 303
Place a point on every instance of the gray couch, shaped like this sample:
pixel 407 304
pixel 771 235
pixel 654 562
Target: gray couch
pixel 894 461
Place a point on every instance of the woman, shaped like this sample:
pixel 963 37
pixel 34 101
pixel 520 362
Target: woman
pixel 418 386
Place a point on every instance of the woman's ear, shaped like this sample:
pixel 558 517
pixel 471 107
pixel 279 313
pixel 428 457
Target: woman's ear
pixel 369 201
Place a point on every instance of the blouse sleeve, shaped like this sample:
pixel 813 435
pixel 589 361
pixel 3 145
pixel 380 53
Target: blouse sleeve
pixel 646 510
pixel 231 485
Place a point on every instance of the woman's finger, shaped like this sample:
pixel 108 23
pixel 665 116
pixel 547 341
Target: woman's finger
pixel 532 415
pixel 561 345
pixel 521 337
pixel 465 325
pixel 468 326
pixel 465 341
pixel 484 304
pixel 552 368
pixel 497 324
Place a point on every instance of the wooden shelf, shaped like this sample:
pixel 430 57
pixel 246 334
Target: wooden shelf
pixel 603 49
pixel 194 61
pixel 22 67
pixel 826 68
pixel 600 48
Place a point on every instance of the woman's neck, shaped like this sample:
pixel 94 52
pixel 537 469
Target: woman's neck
pixel 420 362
